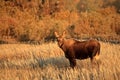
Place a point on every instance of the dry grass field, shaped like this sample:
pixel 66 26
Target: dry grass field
pixel 47 62
pixel 35 21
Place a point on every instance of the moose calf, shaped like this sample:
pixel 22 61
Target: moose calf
pixel 74 49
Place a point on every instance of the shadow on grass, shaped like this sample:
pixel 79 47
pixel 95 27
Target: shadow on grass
pixel 57 62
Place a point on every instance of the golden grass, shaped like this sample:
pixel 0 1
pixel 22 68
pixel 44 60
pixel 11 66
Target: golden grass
pixel 47 62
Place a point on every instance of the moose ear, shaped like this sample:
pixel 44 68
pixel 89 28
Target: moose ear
pixel 64 33
pixel 56 34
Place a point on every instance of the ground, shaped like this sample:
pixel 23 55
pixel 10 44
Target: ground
pixel 47 62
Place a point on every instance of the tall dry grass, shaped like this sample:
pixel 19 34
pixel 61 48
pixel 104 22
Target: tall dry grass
pixel 47 62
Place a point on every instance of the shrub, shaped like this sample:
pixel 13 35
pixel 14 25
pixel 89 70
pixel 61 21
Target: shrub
pixel 37 20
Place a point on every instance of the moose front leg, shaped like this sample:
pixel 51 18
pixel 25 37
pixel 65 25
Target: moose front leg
pixel 72 63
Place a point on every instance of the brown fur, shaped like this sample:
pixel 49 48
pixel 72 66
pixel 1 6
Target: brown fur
pixel 74 49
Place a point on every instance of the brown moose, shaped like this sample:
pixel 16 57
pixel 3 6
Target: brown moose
pixel 74 49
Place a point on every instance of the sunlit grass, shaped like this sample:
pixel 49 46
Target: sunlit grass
pixel 47 62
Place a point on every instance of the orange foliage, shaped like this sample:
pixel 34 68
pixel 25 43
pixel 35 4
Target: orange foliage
pixel 36 21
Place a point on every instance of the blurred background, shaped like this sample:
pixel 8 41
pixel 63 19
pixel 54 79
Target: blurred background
pixel 36 20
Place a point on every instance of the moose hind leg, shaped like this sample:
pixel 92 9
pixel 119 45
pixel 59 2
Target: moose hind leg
pixel 92 62
pixel 95 60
